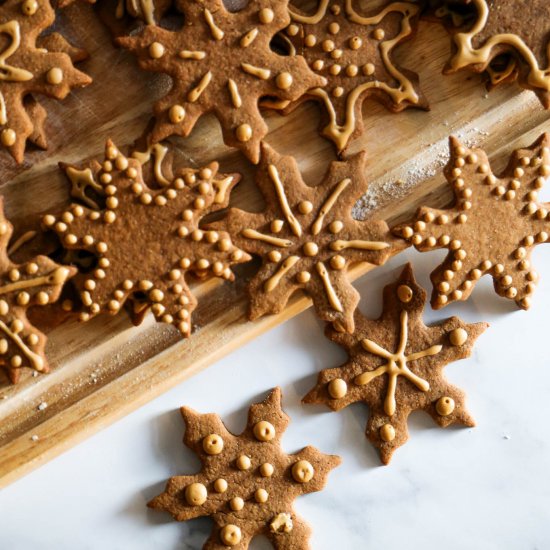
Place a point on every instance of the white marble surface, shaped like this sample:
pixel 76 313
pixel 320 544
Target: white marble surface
pixel 483 488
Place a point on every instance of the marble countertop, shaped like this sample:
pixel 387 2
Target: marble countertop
pixel 461 488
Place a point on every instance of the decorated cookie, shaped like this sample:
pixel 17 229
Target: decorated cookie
pixel 35 283
pixel 27 68
pixel 221 62
pixel 146 240
pixel 247 483
pixel 354 53
pixel 395 366
pixel 520 28
pixel 493 226
pixel 307 238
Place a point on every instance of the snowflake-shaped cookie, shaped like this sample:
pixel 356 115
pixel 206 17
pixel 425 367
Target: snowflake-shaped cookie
pixel 307 238
pixel 247 484
pixel 355 55
pixel 28 68
pixel 35 283
pixel 395 366
pixel 519 28
pixel 146 240
pixel 493 226
pixel 221 62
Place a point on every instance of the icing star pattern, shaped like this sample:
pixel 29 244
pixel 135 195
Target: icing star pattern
pixel 307 238
pixel 247 484
pixel 354 53
pixel 492 227
pixel 395 367
pixel 146 240
pixel 27 68
pixel 221 62
pixel 35 283
pixel 499 30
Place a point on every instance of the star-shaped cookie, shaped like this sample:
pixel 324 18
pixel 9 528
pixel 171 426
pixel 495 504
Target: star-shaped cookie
pixel 307 238
pixel 247 483
pixel 520 28
pixel 146 240
pixel 495 223
pixel 221 62
pixel 30 68
pixel 396 366
pixel 35 283
pixel 355 54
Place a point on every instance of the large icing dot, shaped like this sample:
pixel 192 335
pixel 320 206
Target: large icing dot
pixel 302 471
pixel 176 114
pixel 266 469
pixel 212 444
pixel 445 406
pixel 220 485
pixel 8 137
pixel 387 433
pixel 55 76
pixel 310 249
pixel 230 535
pixel 243 133
pixel 156 50
pixel 236 504
pixel 195 494
pixel 404 293
pixel 266 15
pixel 243 462
pixel 458 337
pixel 29 7
pixel 261 496
pixel 264 431
pixel 337 388
pixel 284 81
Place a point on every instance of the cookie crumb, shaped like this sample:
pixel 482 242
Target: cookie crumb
pixel 42 406
pixel 35 438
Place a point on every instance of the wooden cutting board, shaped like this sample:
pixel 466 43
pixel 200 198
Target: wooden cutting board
pixel 104 369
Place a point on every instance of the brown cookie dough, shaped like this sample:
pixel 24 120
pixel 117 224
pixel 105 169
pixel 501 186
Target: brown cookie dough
pixel 492 228
pixel 34 283
pixel 25 68
pixel 396 366
pixel 221 62
pixel 247 484
pixel 146 240
pixel 354 53
pixel 307 238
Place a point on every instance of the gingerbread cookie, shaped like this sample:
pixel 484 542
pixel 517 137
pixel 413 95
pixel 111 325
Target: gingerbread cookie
pixel 492 227
pixel 146 240
pixel 247 484
pixel 354 53
pixel 221 62
pixel 307 238
pixel 520 28
pixel 26 68
pixel 34 283
pixel 395 367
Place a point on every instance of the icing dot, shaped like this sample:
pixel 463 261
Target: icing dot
pixel 303 277
pixel 335 70
pixel 387 433
pixel 220 485
pixel 368 69
pixel 352 70
pixel 55 76
pixel 243 462
pixel 156 50
pixel 378 34
pixel 4 308
pixel 236 504
pixel 310 249
pixel 275 256
pixel 3 346
pixel 458 337
pixel 336 54
pixel 29 7
pixel 212 444
pixel 445 406
pixel 195 494
pixel 266 469
pixel 338 262
pixel 292 30
pixel 317 65
pixel 302 471
pixel 305 207
pixel 8 137
pixel 333 28
pixel 264 431
pixel 243 133
pixel 310 40
pixel 283 81
pixel 266 16
pixel 337 388
pixel 230 534
pixel 355 43
pixel 338 91
pixel 405 293
pixel 261 496
pixel 328 45
pixel 336 227
pixel 176 114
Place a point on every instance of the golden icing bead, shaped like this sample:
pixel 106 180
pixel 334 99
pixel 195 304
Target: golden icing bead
pixel 243 462
pixel 458 337
pixel 4 307
pixel 337 388
pixel 243 133
pixel 445 406
pixel 284 81
pixel 23 298
pixel 305 207
pixel 333 28
pixel 236 504
pixel 387 433
pixel 230 535
pixel 8 137
pixel 405 293
pixel 212 444
pixel 42 298
pixel 338 262
pixel 355 43
pixel 274 256
pixel 368 69
pixel 266 469
pixel 261 496
pixel 336 227
pixel 195 494
pixel 303 277
pixel 3 346
pixel 276 225
pixel 310 249
pixel 264 431
pixel 328 45
pixel 302 471
pixel 176 114
pixel 55 76
pixel 338 91
pixel 335 70
pixel 16 361
pixel 220 485
pixel 336 54
pixel 352 70
pixel 378 34
pixel 292 30
pixel 156 50
pixel 29 7
pixel 310 40
pixel 266 16
pixel 318 65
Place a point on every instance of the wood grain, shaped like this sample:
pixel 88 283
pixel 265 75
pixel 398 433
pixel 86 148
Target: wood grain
pixel 104 369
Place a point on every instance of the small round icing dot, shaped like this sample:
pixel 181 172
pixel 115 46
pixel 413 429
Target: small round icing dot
pixel 303 277
pixel 8 137
pixel 305 207
pixel 261 496
pixel 266 16
pixel 368 69
pixel 243 462
pixel 156 50
pixel 445 406
pixel 405 293
pixel 284 81
pixel 336 227
pixel 302 471
pixel 212 444
pixel 236 504
pixel 328 45
pixel 310 249
pixel 292 30
pixel 337 388
pixel 264 431
pixel 334 28
pixel 220 485
pixel 266 469
pixel 230 535
pixel 310 40
pixel 55 76
pixel 338 262
pixel 176 114
pixel 387 433
pixel 243 133
pixel 378 34
pixel 29 7
pixel 458 337
pixel 355 43
pixel 195 494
